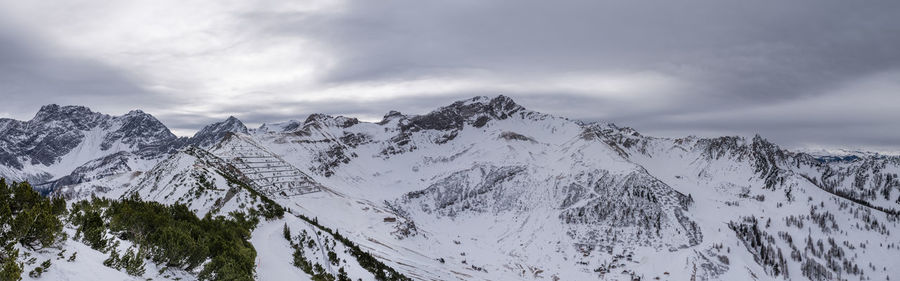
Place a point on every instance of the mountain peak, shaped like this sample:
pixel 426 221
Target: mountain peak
pixel 57 112
pixel 136 112
pixel 212 133
pixel 499 101
pixel 230 124
pixel 49 108
pixel 476 111
pixel 321 119
pixel 391 115
pixel 138 127
pixel 499 107
pixel 139 116
pixel 278 127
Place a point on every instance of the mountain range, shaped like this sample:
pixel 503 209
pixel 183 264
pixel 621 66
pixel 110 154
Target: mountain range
pixel 480 189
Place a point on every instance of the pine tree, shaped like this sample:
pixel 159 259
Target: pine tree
pixel 112 260
pixel 342 275
pixel 332 258
pixel 134 263
pixel 38 271
pixel 31 218
pixel 5 218
pixel 10 269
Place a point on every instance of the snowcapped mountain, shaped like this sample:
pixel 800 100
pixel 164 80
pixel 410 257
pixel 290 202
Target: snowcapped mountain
pixel 213 133
pixel 485 189
pixel 64 145
pixel 60 139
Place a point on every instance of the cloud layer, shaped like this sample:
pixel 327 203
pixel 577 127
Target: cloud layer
pixel 803 73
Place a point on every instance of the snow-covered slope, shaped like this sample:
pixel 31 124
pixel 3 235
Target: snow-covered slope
pixel 207 184
pixel 485 189
pixel 507 193
pixel 791 215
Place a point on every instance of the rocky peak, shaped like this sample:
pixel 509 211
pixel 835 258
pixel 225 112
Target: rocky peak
pixel 54 110
pixel 55 130
pixel 47 111
pixel 135 112
pixel 140 117
pixel 499 107
pixel 476 111
pixel 80 117
pixel 137 129
pixel 392 115
pixel 503 106
pixel 212 133
pixel 231 124
pixel 280 127
pixel 325 120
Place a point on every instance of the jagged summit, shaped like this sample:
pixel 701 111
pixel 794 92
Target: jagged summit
pixel 280 127
pixel 233 120
pixel 135 112
pixel 390 116
pixel 318 120
pixel 447 117
pixel 60 138
pixel 212 133
pixel 500 106
pixel 79 117
pixel 230 124
pixel 53 108
pixel 476 111
pixel 325 120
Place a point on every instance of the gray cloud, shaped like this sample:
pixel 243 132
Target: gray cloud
pixel 732 54
pixel 746 50
pixel 33 73
pixel 799 72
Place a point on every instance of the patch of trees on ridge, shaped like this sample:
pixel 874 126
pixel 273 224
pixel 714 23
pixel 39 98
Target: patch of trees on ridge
pixel 27 219
pixel 368 262
pixel 169 235
pixel 761 245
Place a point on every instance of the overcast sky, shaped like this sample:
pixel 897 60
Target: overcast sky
pixel 801 73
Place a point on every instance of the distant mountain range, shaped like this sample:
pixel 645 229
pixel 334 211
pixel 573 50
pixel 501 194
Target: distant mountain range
pixel 485 189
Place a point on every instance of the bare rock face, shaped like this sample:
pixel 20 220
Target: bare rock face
pixel 213 133
pixel 56 130
pixel 92 145
pixel 446 122
pixel 599 208
pixel 476 112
